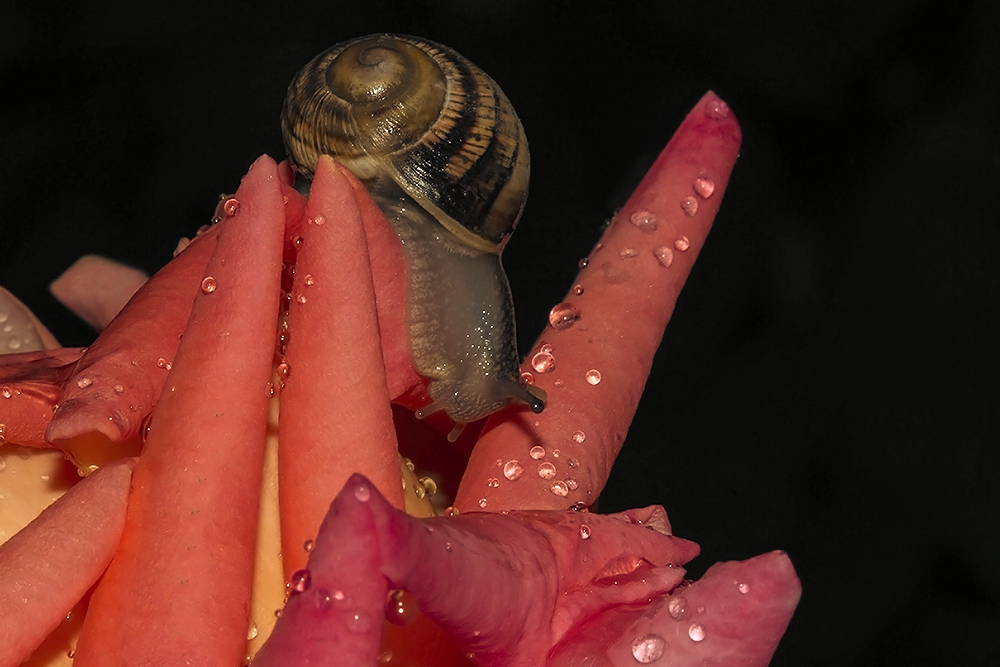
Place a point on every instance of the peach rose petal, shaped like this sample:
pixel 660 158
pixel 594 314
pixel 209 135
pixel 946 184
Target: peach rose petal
pixel 97 288
pixel 335 417
pixel 178 590
pixel 117 382
pixel 50 564
pixel 603 357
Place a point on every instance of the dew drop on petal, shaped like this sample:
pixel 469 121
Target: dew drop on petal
pixel 300 581
pixel 716 109
pixel 563 315
pixel 209 285
pixel 578 289
pixel 482 503
pixel 84 382
pixel 743 588
pixel 322 599
pixel 358 622
pixel 628 253
pixel 682 243
pixel 703 187
pixel 513 470
pixel 559 383
pixel 664 255
pixel 284 370
pixel 493 482
pixel 162 363
pixel 301 298
pixel 559 488
pixel 648 648
pixel 527 378
pixel 362 493
pixel 696 632
pixel 556 453
pixel 145 426
pixel 583 262
pixel 545 347
pixel 644 220
pixel 593 376
pixel 308 546
pixel 308 280
pixel 269 390
pixel 677 607
pixel 231 206
pixel 546 470
pixel 537 452
pixel 338 595
pixel 584 532
pixel 319 220
pixel 579 437
pixel 252 631
pixel 6 392
pixel 401 608
pixel 118 388
pixel 573 463
pixel 690 206
pixel 572 484
pixel 297 241
pixel 543 362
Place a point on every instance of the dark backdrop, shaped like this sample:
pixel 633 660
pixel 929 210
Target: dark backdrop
pixel 828 383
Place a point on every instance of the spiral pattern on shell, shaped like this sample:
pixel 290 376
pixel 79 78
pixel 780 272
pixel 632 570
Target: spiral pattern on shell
pixel 424 116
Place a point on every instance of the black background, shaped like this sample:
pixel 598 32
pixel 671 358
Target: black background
pixel 828 383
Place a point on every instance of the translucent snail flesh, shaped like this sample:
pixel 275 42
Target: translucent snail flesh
pixel 443 154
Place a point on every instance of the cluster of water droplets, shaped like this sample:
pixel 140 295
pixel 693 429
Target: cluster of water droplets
pixel 22 335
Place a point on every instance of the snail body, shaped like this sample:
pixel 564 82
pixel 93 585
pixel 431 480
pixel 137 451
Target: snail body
pixel 444 156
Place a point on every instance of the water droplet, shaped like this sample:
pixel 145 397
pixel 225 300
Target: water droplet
pixel 14 344
pixel 447 545
pixel 6 392
pixel 696 632
pixel 451 511
pixel 628 253
pixel 3 438
pixel 385 657
pixel 297 241
pixel 579 437
pixel 358 622
pixel 682 243
pixel 644 220
pixel 690 206
pixel 252 631
pixel 278 612
pixel 584 532
pixel 573 463
pixel 482 503
pixel 583 262
pixel 559 382
pixel 308 546
pixel 269 390
pixel 743 588
pixel 318 220
pixel 309 281
pixel 545 347
pixel 493 482
pixel 284 370
pixel 362 493
pixel 677 607
pixel 664 255
pixel 648 648
pixel 429 485
pixel 338 596
pixel 322 599
pixel 300 581
pixel 402 607
pixel 513 470
pixel 527 378
pixel 556 453
pixel 118 388
pixel 560 489
pixel 716 109
pixel 546 470
pixel 3 463
pixel 145 427
pixel 703 187
pixel 563 315
pixel 572 484
pixel 593 376
pixel 209 285
pixel 71 653
pixel 231 206
pixel 578 289
pixel 543 362
pixel 301 298
pixel 537 452
pixel 84 382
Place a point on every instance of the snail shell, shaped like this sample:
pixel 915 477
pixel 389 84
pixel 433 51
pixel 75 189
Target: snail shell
pixel 444 156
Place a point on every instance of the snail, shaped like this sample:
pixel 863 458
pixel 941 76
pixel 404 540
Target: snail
pixel 443 154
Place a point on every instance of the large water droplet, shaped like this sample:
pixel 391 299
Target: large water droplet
pixel 6 392
pixel 84 382
pixel 209 285
pixel 583 262
pixel 543 362
pixel 308 280
pixel 362 493
pixel 231 206
pixel 578 289
pixel 682 243
pixel 513 470
pixel 573 463
pixel 402 607
pixel 644 220
pixel 703 187
pixel 742 587
pixel 559 488
pixel 677 607
pixel 308 546
pixel 572 484
pixel 664 255
pixel 563 315
pixel 584 532
pixel 163 363
pixel 252 631
pixel 593 376
pixel 648 648
pixel 537 452
pixel 696 632
pixel 546 470
pixel 716 109
pixel 482 503
pixel 300 581
pixel 690 206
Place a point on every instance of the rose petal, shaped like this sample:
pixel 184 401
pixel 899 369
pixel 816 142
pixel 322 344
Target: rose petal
pixel 97 288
